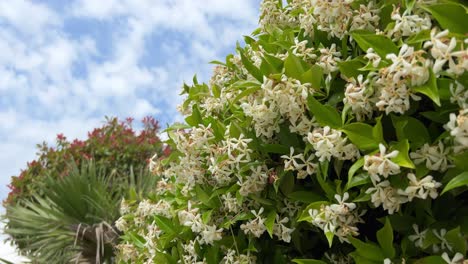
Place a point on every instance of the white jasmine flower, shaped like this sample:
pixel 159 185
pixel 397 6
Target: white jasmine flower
pixel 444 244
pixel 366 17
pixel 458 127
pixel 373 57
pixel 282 231
pixel 380 164
pixel 434 157
pixel 407 25
pixel 421 188
pixel 387 196
pixel 255 182
pixel 459 94
pixel 255 226
pixel 419 237
pixel 329 59
pixel 211 234
pixel 457 259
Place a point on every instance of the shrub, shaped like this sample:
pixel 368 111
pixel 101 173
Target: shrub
pixel 338 134
pixel 115 145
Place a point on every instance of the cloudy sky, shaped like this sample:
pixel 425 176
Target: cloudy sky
pixel 64 65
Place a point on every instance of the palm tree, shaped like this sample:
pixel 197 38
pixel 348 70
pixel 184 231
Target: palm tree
pixel 72 221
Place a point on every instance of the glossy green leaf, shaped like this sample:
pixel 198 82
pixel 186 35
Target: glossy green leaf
pixel 326 115
pixel 402 158
pixel 314 76
pixel 361 135
pixel 410 128
pixel 381 44
pixel 451 16
pixel 305 196
pixel 385 239
pixel 350 68
pixel 367 250
pixel 165 224
pixel 294 66
pixel 456 240
pixel 270 222
pixel 429 88
pixel 431 260
pixel 459 181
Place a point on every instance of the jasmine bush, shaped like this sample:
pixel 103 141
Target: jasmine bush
pixel 337 134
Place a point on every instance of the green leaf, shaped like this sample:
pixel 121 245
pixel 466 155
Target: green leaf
pixel 377 130
pixel 275 148
pixel 451 16
pixel 381 44
pixel 305 196
pixel 270 222
pixel 195 119
pixel 314 76
pixel 165 224
pixel 458 181
pixel 367 250
pixel 456 240
pixel 385 239
pixel 251 68
pixel 419 37
pixel 294 66
pixel 361 135
pixel 326 115
pixel 351 68
pixel 308 261
pixel 329 235
pixel 402 158
pixel 410 128
pixel 286 183
pixel 429 88
pixel 431 260
pixel 358 180
pixel 460 160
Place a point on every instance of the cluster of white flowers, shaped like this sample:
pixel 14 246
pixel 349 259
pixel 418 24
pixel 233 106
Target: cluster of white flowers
pixel 358 96
pixel 459 94
pixel 281 230
pixel 443 51
pixel 328 143
pixel 277 102
pixel 232 257
pixel 409 67
pixel 458 127
pixel 434 157
pixel 272 15
pixel 380 164
pixel 299 163
pixel 340 219
pixel 191 218
pixel 332 17
pixel 423 188
pixel 407 24
pixel 191 255
pixel 366 17
pixel 329 59
pixel 387 196
pixel 255 226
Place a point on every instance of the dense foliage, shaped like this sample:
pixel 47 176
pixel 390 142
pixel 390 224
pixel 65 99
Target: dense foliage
pixel 337 134
pixel 115 145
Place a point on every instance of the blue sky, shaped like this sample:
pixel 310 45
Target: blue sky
pixel 64 65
